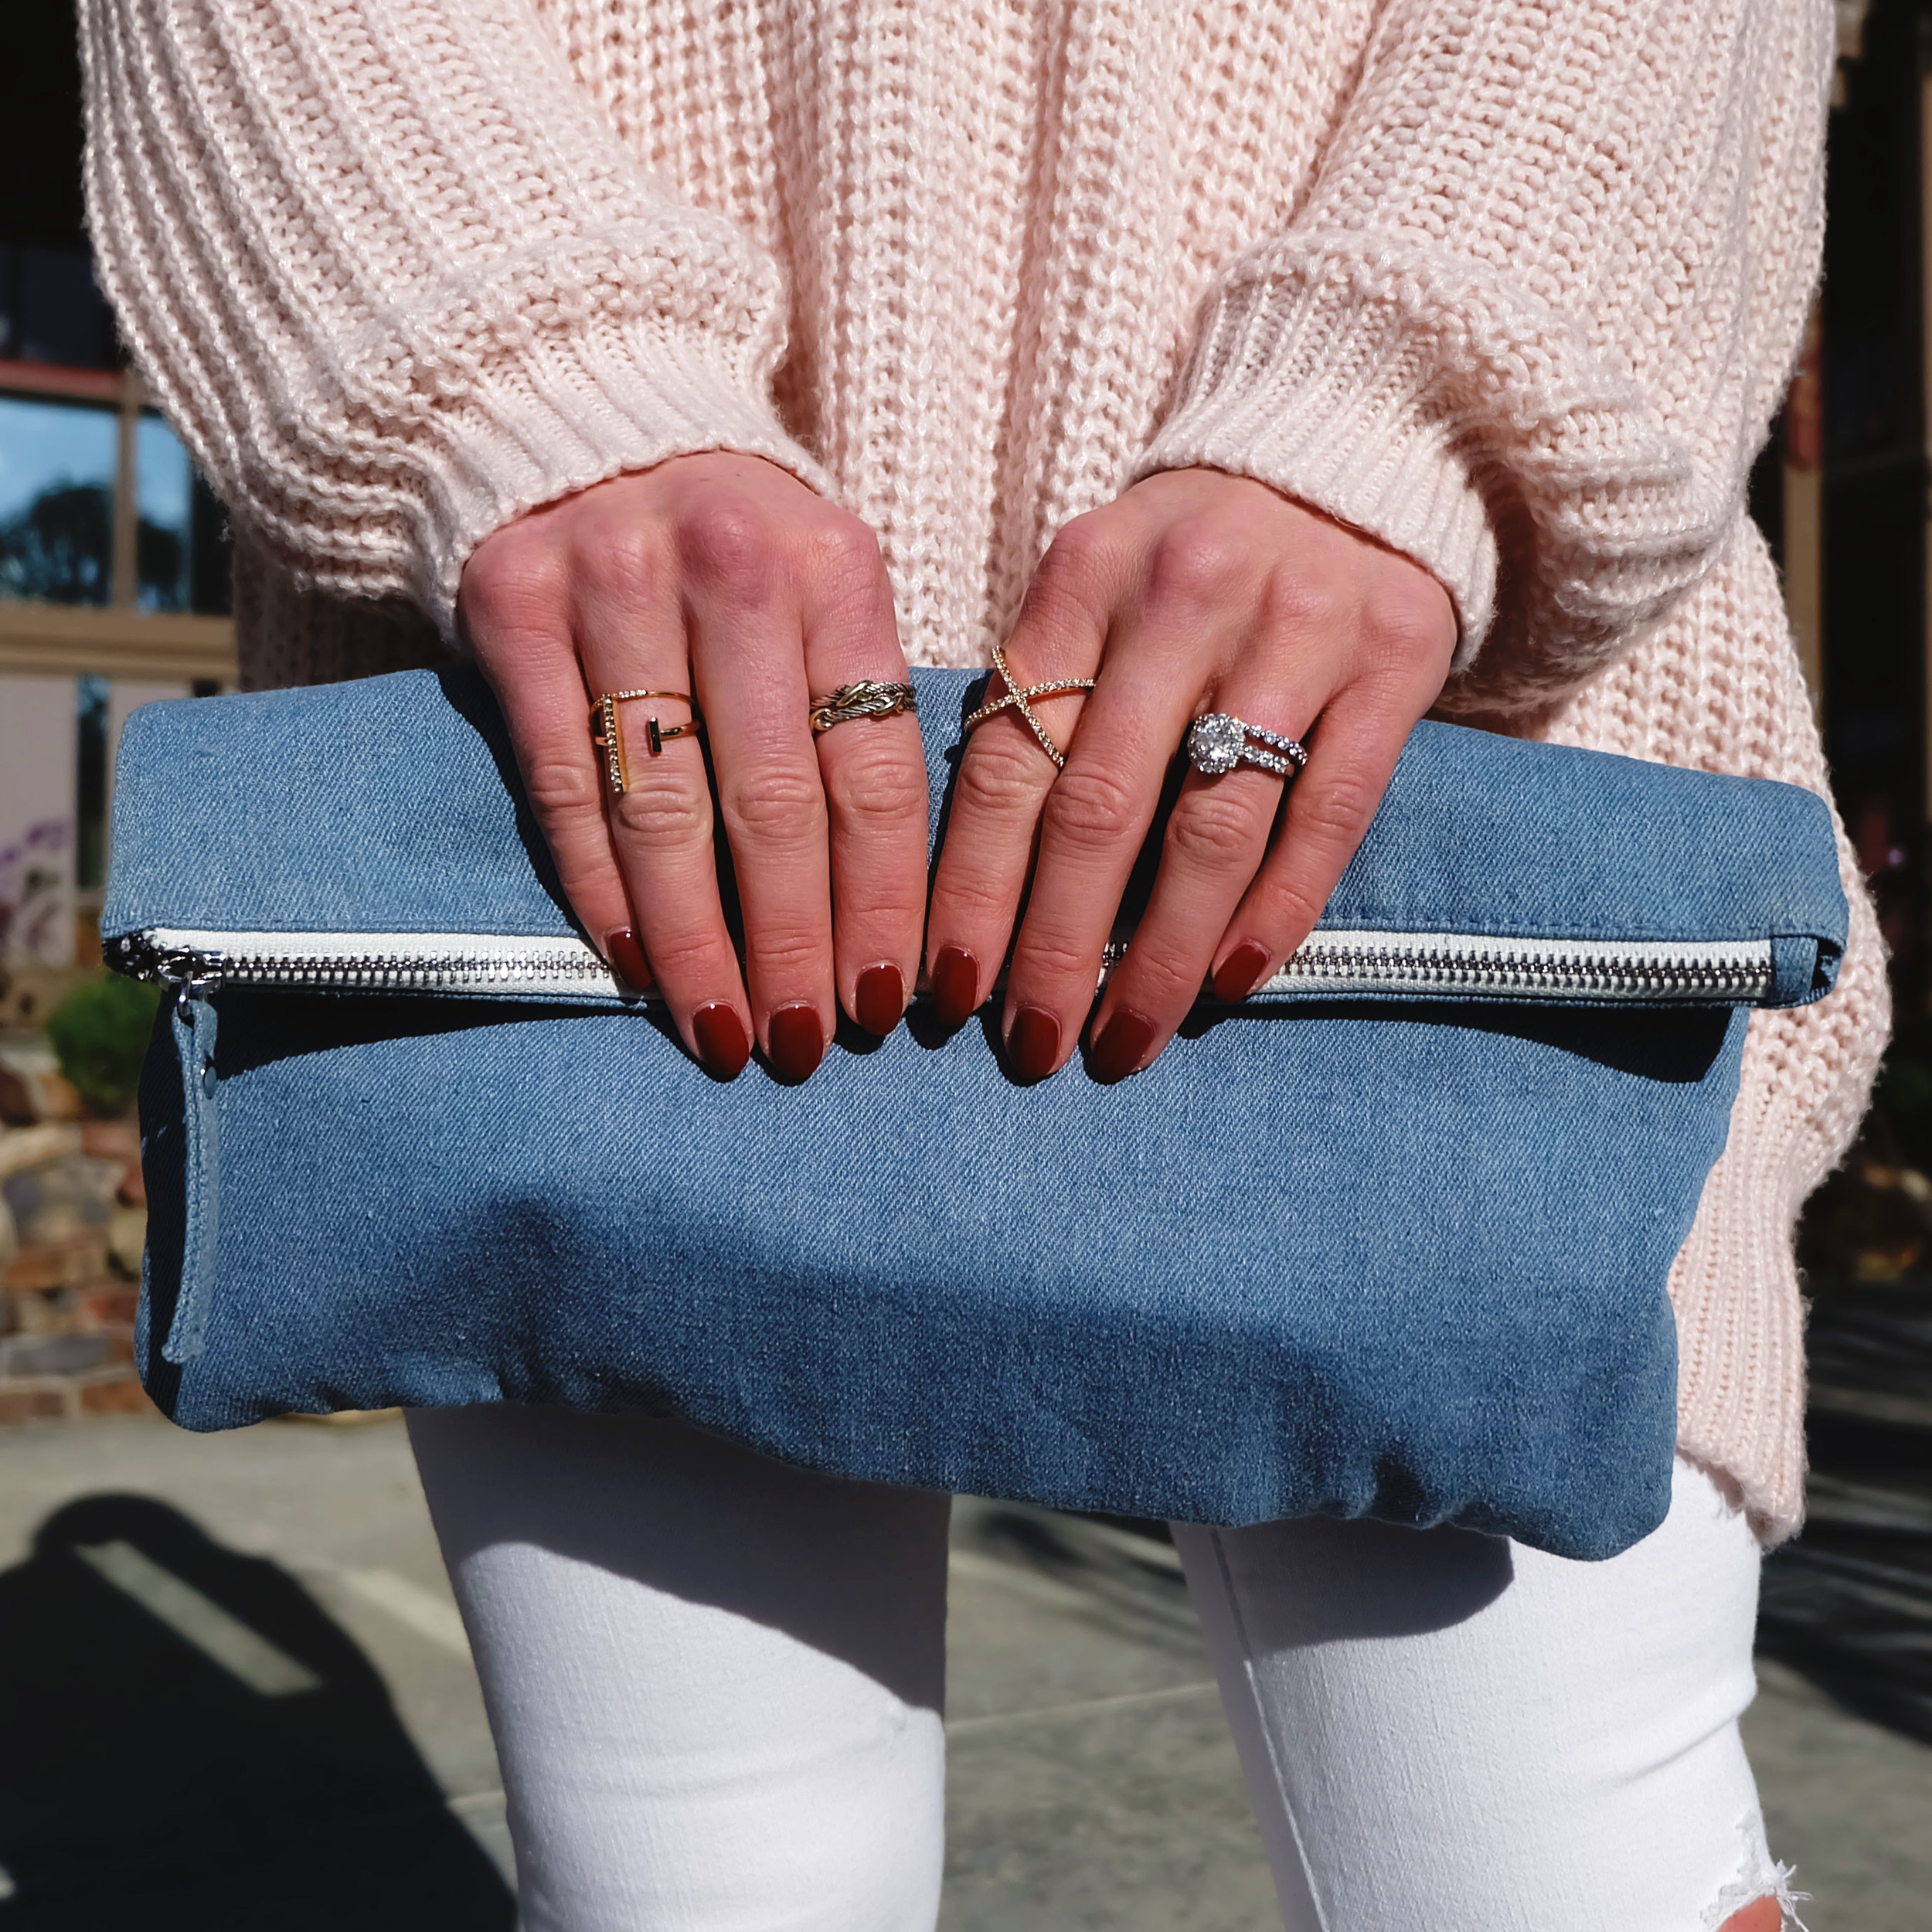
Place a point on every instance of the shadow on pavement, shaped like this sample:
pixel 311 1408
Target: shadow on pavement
pixel 1849 1603
pixel 191 1743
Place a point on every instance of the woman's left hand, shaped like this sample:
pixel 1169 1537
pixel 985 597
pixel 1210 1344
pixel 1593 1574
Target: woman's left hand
pixel 1195 591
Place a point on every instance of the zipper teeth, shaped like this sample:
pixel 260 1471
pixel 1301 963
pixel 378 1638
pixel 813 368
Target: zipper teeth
pixel 397 972
pixel 1664 972
pixel 385 962
pixel 1338 962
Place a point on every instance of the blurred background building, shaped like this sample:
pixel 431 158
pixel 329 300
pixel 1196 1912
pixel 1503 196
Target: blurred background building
pixel 114 563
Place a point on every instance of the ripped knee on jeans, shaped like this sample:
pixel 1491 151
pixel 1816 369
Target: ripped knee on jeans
pixel 1759 1898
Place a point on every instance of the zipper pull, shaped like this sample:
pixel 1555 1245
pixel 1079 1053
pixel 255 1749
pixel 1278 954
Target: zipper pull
pixel 189 976
pixel 194 1014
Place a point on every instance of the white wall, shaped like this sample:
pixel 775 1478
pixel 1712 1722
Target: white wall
pixel 39 741
pixel 38 736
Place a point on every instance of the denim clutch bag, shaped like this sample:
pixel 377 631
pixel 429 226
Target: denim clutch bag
pixel 1389 1239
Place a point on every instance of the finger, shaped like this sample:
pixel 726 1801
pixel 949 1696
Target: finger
pixel 1215 840
pixel 1091 827
pixel 1005 777
pixel 873 771
pixel 539 688
pixel 1352 757
pixel 748 662
pixel 660 827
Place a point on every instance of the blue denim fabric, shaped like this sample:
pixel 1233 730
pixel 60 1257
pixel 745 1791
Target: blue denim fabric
pixel 1396 1259
pixel 389 805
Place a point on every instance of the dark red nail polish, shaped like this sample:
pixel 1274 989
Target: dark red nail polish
pixel 627 959
pixel 797 1042
pixel 1238 974
pixel 1034 1044
pixel 723 1045
pixel 955 986
pixel 880 1001
pixel 1122 1045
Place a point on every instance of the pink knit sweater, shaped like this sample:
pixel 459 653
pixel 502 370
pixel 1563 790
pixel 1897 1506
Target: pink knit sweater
pixel 1514 286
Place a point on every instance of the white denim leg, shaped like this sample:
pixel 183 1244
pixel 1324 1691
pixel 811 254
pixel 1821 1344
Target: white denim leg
pixel 1444 1729
pixel 715 1682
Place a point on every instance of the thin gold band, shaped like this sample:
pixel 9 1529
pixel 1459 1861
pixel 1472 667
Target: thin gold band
pixel 607 733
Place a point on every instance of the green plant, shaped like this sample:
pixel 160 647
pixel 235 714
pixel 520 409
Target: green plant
pixel 100 1033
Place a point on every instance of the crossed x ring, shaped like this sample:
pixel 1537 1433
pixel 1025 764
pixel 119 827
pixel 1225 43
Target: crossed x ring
pixel 1017 697
pixel 1218 743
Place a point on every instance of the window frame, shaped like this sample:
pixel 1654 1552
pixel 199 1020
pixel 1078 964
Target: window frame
pixel 117 639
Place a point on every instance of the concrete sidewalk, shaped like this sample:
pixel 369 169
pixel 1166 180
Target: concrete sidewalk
pixel 1092 1781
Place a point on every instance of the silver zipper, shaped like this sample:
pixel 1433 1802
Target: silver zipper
pixel 477 964
pixel 1469 966
pixel 1438 965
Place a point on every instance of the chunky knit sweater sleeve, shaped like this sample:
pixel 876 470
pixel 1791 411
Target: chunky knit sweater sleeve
pixel 1532 318
pixel 395 280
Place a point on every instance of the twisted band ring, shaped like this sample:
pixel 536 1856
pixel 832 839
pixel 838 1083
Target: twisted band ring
pixel 867 698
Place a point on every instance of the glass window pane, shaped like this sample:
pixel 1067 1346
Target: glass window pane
pixel 57 501
pixel 91 785
pixel 50 311
pixel 182 548
pixel 211 568
pixel 164 490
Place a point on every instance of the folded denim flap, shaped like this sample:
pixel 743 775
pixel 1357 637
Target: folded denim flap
pixel 390 806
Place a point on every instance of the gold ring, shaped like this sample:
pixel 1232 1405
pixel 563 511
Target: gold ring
pixel 607 733
pixel 1016 697
pixel 867 698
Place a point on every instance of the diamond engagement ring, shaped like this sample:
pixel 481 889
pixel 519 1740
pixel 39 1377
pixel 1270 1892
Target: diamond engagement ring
pixel 1218 743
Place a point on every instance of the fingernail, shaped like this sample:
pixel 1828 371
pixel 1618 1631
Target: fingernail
pixel 1122 1045
pixel 880 1000
pixel 797 1042
pixel 955 986
pixel 627 958
pixel 1238 974
pixel 723 1045
pixel 1034 1044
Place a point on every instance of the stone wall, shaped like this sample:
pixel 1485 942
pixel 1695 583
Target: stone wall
pixel 72 1221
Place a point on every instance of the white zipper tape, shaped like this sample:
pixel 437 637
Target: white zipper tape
pixel 474 962
pixel 1443 965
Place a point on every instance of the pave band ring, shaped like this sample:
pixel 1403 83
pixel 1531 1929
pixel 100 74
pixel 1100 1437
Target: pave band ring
pixel 607 733
pixel 867 698
pixel 1216 743
pixel 1018 697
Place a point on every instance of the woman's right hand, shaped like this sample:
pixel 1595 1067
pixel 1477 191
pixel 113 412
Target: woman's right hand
pixel 725 577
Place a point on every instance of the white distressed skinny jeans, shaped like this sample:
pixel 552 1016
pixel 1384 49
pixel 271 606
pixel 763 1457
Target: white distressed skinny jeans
pixel 716 1682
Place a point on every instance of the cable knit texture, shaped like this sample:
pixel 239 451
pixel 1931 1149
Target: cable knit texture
pixel 1513 286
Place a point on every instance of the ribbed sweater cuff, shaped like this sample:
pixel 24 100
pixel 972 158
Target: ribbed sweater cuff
pixel 1326 396
pixel 568 411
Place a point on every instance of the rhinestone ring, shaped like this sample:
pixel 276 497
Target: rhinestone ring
pixel 607 732
pixel 1017 696
pixel 1218 743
